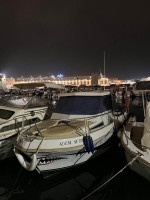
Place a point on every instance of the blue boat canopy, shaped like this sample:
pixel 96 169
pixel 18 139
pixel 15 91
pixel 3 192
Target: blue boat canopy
pixel 83 104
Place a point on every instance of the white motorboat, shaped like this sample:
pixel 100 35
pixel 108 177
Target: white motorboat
pixel 136 142
pixel 17 114
pixel 80 127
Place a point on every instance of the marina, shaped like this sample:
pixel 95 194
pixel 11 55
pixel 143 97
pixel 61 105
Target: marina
pixel 74 100
pixel 98 177
pixel 80 125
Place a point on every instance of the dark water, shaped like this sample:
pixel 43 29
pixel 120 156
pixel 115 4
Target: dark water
pixel 18 184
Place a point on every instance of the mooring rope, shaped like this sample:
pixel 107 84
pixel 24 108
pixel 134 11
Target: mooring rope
pixel 130 163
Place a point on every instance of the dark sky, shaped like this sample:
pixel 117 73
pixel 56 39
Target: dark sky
pixel 38 37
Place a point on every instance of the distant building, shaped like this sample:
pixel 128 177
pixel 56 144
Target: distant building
pixel 74 80
pixel 103 82
pixel 94 80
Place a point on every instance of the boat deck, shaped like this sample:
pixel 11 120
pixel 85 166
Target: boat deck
pixel 53 129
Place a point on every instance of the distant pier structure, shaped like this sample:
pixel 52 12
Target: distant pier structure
pixel 2 82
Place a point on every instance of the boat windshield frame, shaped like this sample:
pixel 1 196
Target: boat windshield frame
pixel 29 100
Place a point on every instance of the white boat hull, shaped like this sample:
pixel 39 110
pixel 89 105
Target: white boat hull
pixel 139 167
pixel 69 154
pixel 79 129
pixel 142 164
pixel 8 138
pixel 6 147
pixel 57 161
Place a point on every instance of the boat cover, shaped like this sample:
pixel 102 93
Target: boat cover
pixel 83 105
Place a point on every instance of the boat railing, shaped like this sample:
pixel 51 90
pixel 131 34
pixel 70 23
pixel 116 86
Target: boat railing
pixel 135 143
pixel 87 117
pixel 21 121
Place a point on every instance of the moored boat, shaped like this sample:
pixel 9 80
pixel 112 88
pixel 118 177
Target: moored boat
pixel 80 126
pixel 136 143
pixel 20 112
pixel 17 114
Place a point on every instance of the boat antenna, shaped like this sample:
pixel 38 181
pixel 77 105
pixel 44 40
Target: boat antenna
pixel 104 70
pixel 143 101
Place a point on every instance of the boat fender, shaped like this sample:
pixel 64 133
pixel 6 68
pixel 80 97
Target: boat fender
pixel 88 142
pixel 116 129
pixel 30 166
pixel 91 144
pixel 127 105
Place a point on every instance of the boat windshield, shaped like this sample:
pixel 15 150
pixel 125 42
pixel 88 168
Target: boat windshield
pixel 4 99
pixel 6 114
pixel 18 101
pixel 25 102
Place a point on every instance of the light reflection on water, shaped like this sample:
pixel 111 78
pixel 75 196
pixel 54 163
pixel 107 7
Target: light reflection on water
pixel 74 184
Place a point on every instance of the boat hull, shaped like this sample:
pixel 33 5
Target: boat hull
pixel 6 147
pixel 138 166
pixel 8 137
pixel 75 159
pixel 99 153
pixel 133 149
pixel 60 160
pixel 49 161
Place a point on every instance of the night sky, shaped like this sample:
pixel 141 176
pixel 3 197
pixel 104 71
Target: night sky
pixel 44 37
